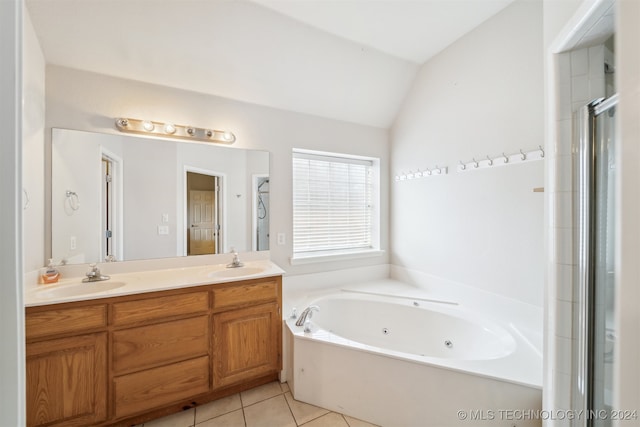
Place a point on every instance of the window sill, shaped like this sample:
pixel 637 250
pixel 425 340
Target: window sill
pixel 335 256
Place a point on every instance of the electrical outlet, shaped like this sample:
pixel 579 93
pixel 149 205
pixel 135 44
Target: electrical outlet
pixel 165 217
pixel 282 240
pixel 163 230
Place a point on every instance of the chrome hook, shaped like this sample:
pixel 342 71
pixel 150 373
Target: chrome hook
pixel 490 160
pixel 541 150
pixel 462 165
pixel 428 171
pixel 506 159
pixel 438 169
pixel 523 156
pixel 475 163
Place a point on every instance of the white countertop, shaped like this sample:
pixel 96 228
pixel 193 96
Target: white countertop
pixel 147 281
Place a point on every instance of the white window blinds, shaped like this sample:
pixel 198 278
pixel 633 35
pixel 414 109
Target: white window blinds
pixel 332 204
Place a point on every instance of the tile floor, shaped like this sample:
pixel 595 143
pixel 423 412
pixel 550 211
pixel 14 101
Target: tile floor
pixel 270 405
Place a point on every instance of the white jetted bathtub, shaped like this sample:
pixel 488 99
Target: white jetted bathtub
pixel 415 360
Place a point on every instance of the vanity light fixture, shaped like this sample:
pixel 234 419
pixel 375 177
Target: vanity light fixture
pixel 171 130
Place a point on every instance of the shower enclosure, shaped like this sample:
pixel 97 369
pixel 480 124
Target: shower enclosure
pixel 596 211
pixel 262 214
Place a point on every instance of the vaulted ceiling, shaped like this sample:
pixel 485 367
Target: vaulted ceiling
pixel 351 60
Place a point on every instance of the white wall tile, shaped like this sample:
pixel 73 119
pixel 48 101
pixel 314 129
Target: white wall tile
pixel 563 174
pixel 562 203
pixel 579 62
pixel 563 142
pixel 563 67
pixel 564 314
pixel 564 281
pixel 563 101
pixel 579 88
pixel 597 88
pixel 596 62
pixel 563 354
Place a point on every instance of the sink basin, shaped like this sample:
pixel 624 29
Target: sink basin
pixel 79 289
pixel 236 272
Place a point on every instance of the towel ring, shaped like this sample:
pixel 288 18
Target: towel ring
pixel 73 200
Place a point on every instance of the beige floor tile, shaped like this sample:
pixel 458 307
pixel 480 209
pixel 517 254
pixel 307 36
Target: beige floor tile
pixel 303 412
pixel 330 420
pixel 232 419
pixel 273 412
pixel 354 422
pixel 285 387
pixel 258 394
pixel 179 419
pixel 218 407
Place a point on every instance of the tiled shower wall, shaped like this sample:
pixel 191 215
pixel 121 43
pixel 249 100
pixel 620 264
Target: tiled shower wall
pixel 581 78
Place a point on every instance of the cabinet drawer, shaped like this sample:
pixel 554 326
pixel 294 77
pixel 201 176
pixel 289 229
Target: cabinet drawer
pixel 153 388
pixel 150 346
pixel 245 294
pixel 64 320
pixel 150 309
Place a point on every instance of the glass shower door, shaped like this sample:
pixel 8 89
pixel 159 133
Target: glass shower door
pixel 596 259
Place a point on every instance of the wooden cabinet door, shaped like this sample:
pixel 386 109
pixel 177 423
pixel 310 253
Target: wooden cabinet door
pixel 246 344
pixel 67 381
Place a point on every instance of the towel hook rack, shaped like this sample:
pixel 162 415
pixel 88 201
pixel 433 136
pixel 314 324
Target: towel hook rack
pixel 523 156
pixel 541 150
pixel 490 160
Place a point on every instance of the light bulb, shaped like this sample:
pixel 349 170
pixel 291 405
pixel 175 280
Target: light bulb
pixel 169 128
pixel 148 126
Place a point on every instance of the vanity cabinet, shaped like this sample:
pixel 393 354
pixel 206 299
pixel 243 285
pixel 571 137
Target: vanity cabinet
pixel 160 351
pixel 66 377
pixel 247 337
pixel 127 359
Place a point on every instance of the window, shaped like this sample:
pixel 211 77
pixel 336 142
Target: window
pixel 333 204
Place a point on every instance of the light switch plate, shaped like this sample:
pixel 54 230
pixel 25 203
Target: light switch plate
pixel 282 239
pixel 163 230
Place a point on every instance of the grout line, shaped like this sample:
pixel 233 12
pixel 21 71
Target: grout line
pixel 295 420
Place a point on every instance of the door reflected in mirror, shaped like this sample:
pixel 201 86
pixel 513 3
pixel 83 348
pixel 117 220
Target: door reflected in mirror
pixel 122 197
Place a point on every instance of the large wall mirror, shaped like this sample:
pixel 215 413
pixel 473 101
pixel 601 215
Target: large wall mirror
pixel 122 197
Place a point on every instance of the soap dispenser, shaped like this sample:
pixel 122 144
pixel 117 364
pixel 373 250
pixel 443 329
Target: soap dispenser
pixel 49 274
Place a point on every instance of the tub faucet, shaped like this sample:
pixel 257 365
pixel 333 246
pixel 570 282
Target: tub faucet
pixel 305 317
pixel 235 263
pixel 94 275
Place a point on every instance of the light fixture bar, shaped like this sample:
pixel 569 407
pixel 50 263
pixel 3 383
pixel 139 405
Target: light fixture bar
pixel 169 130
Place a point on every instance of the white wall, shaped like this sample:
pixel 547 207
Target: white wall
pixel 33 157
pixel 88 101
pixel 627 369
pixel 12 355
pixel 483 95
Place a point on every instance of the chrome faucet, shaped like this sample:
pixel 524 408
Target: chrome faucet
pixel 94 275
pixel 305 317
pixel 235 263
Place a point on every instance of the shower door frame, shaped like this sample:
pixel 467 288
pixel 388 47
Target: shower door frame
pixel 586 252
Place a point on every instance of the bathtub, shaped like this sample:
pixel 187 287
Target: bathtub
pixel 415 360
